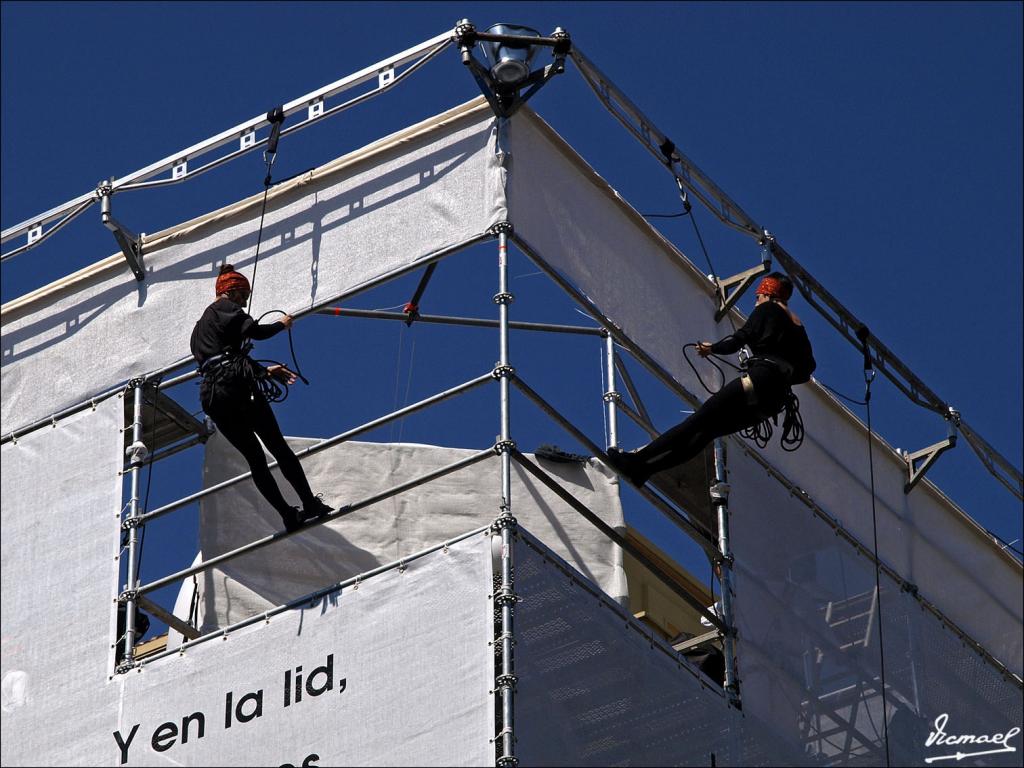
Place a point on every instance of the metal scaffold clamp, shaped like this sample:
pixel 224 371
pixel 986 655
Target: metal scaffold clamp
pixel 720 492
pixel 131 522
pixel 503 372
pixel 129 243
pixel 504 520
pixel 505 681
pixel 919 462
pixel 137 453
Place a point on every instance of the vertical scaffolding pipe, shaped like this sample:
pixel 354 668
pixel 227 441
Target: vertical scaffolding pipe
pixel 137 454
pixel 720 498
pixel 503 299
pixel 506 523
pixel 611 397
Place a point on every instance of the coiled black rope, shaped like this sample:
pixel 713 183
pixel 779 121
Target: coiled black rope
pixel 792 425
pixel 713 363
pixel 761 433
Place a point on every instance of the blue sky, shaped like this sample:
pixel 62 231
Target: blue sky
pixel 879 142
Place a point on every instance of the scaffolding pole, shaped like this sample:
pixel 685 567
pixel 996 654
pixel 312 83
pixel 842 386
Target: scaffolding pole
pixel 611 395
pixel 720 498
pixel 137 454
pixel 505 525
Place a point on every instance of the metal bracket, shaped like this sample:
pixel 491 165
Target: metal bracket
pixel 125 666
pixel 128 595
pixel 928 456
pixel 612 397
pixel 743 280
pixel 502 227
pixel 131 522
pixel 505 100
pixel 129 243
pixel 699 640
pixel 504 298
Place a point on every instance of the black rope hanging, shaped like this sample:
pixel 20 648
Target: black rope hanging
pixel 869 376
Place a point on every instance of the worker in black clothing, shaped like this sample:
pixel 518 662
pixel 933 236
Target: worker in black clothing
pixel 231 396
pixel 781 357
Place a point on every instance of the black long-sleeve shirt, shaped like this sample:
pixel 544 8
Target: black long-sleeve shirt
pixel 770 332
pixel 225 327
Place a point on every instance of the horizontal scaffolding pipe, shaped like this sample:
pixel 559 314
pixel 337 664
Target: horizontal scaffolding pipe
pixel 642 357
pixel 470 321
pixel 166 453
pixel 610 532
pixel 267 615
pixel 648 633
pixel 640 420
pixel 91 402
pixel 160 373
pixel 323 444
pixel 690 528
pixel 469 461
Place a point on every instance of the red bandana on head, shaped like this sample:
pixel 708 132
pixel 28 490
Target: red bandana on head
pixel 229 281
pixel 775 288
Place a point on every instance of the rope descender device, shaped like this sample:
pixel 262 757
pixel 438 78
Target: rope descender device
pixel 276 118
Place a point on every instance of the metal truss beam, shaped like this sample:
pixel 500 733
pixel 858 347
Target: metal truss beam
pixel 244 133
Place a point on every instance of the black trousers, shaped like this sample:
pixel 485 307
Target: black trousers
pixel 241 418
pixel 728 410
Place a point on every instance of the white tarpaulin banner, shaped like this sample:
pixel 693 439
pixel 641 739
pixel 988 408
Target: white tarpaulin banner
pixel 391 529
pixel 61 506
pixel 808 644
pixel 595 688
pixel 572 221
pixel 377 211
pixel 396 670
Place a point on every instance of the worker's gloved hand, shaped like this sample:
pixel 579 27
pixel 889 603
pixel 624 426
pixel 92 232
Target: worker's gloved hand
pixel 704 348
pixel 280 373
pixel 286 321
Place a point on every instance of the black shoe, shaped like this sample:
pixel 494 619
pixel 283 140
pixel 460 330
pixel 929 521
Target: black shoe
pixel 315 508
pixel 292 521
pixel 628 465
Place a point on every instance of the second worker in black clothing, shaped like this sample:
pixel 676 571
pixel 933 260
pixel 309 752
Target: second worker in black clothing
pixel 782 357
pixel 231 396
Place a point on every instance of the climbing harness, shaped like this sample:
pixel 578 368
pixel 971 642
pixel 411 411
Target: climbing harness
pixel 792 422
